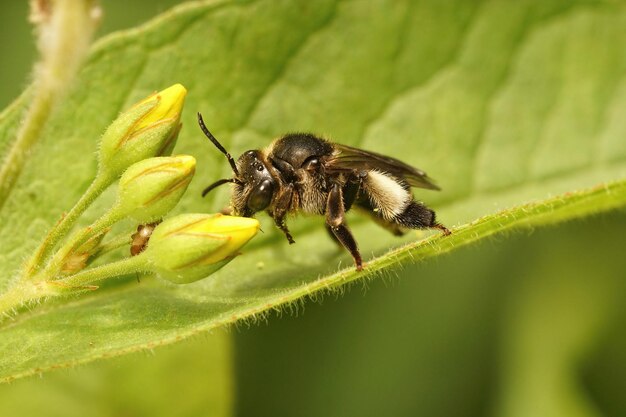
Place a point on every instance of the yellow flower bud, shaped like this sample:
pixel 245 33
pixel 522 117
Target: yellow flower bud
pixel 150 188
pixel 189 247
pixel 150 128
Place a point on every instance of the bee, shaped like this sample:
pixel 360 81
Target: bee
pixel 301 172
pixel 140 239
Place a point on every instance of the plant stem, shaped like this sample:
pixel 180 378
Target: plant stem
pixel 27 291
pixel 78 238
pixel 20 294
pixel 99 184
pixel 111 245
pixel 65 29
pixel 115 269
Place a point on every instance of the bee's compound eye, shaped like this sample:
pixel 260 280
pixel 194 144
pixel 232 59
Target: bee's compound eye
pixel 261 196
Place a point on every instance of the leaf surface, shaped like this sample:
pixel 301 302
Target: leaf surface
pixel 515 109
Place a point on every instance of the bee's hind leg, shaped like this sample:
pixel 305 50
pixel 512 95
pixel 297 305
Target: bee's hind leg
pixel 335 214
pixel 443 228
pixel 418 216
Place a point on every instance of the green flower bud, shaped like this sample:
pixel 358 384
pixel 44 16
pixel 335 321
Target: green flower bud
pixel 150 188
pixel 190 247
pixel 148 129
pixel 77 260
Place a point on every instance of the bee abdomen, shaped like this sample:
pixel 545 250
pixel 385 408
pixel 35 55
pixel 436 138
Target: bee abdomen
pixel 391 200
pixel 388 196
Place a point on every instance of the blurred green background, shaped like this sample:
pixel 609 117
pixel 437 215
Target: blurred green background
pixel 524 325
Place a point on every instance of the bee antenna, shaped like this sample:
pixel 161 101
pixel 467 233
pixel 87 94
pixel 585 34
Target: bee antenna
pixel 218 145
pixel 218 183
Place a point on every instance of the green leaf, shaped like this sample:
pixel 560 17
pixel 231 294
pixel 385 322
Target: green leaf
pixel 507 328
pixel 504 104
pixel 196 373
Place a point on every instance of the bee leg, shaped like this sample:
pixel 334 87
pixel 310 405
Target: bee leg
pixel 418 216
pixel 332 236
pixel 282 225
pixel 335 219
pixel 444 229
pixel 279 212
pixel 344 236
pixel 352 189
pixel 350 192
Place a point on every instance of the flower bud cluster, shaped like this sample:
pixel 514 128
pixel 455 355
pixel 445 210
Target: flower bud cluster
pixel 181 249
pixel 135 150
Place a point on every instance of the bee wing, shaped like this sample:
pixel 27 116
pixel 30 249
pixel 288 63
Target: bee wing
pixel 348 158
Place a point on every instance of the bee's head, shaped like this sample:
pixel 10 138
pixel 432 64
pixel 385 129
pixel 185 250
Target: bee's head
pixel 255 188
pixel 254 184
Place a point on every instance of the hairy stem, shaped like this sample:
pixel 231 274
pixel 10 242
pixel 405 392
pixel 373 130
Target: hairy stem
pixel 65 28
pixel 25 292
pixel 126 266
pixel 78 238
pixel 113 244
pixel 20 295
pixel 99 184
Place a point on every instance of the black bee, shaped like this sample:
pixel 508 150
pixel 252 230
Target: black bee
pixel 302 172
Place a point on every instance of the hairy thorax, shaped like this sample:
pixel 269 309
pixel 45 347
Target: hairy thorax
pixel 312 193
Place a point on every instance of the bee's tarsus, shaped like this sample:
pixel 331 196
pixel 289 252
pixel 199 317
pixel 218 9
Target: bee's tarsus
pixel 444 229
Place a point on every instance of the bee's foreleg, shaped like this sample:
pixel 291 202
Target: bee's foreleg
pixel 282 225
pixel 280 210
pixel 335 219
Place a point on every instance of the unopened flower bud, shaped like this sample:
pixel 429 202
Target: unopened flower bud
pixel 148 129
pixel 149 189
pixel 80 258
pixel 189 247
